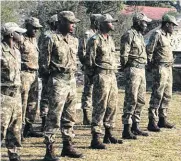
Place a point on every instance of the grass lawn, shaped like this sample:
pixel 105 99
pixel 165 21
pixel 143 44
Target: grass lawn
pixel 162 146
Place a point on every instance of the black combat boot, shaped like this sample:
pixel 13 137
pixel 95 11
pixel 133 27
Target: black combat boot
pixel 44 118
pixel 137 131
pixel 96 143
pixel 109 139
pixel 50 153
pixel 86 120
pixel 127 134
pixel 163 123
pixel 13 156
pixel 69 151
pixel 152 126
pixel 28 131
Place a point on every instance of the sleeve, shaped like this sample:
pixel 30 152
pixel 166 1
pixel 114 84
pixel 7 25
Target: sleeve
pixel 4 67
pixel 82 50
pixel 91 52
pixel 150 48
pixel 125 47
pixel 45 55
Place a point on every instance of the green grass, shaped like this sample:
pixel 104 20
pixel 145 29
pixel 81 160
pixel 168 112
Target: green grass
pixel 162 146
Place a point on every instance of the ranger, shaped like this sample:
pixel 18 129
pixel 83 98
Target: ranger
pixel 101 57
pixel 133 60
pixel 160 58
pixel 11 108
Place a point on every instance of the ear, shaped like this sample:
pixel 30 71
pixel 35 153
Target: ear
pixel 11 34
pixel 167 24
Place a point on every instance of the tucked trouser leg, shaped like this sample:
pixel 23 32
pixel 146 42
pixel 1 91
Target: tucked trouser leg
pixel 61 114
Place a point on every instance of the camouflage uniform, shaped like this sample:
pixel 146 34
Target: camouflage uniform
pixel 29 76
pixel 42 69
pixel 134 58
pixel 61 85
pixel 88 73
pixel 11 110
pixel 101 57
pixel 160 56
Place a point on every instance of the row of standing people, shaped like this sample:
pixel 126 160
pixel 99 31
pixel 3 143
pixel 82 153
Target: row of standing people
pixel 57 69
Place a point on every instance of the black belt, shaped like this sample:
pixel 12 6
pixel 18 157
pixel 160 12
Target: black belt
pixel 104 71
pixel 137 65
pixel 9 91
pixel 165 64
pixel 30 70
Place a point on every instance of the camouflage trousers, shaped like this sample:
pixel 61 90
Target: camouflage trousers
pixel 135 90
pixel 29 94
pixel 44 98
pixel 161 92
pixel 104 96
pixel 11 120
pixel 87 91
pixel 62 103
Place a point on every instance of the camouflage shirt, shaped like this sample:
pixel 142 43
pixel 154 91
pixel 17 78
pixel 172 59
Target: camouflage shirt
pixel 43 41
pixel 82 45
pixel 29 53
pixel 100 52
pixel 10 66
pixel 61 52
pixel 132 48
pixel 159 48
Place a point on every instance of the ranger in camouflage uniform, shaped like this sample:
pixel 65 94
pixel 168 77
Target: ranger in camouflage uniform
pixel 29 76
pixel 133 60
pixel 43 73
pixel 61 63
pixel 160 58
pixel 88 73
pixel 100 56
pixel 11 110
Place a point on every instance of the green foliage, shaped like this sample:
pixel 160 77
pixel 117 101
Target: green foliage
pixel 103 6
pixel 8 12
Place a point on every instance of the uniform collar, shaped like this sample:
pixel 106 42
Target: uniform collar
pixel 102 38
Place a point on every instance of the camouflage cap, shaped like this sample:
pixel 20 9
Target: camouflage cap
pixel 33 21
pixel 53 18
pixel 10 27
pixel 141 17
pixel 106 18
pixel 68 15
pixel 93 17
pixel 169 18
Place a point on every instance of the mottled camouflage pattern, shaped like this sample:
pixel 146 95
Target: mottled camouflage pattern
pixel 161 92
pixel 88 73
pixel 132 48
pixel 10 66
pixel 29 53
pixel 11 110
pixel 62 100
pixel 107 58
pixel 105 94
pixel 160 44
pixel 133 54
pixel 64 51
pixel 43 72
pixel 11 120
pixel 61 85
pixel 159 49
pixel 101 58
pixel 135 90
pixel 87 91
pixel 29 93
